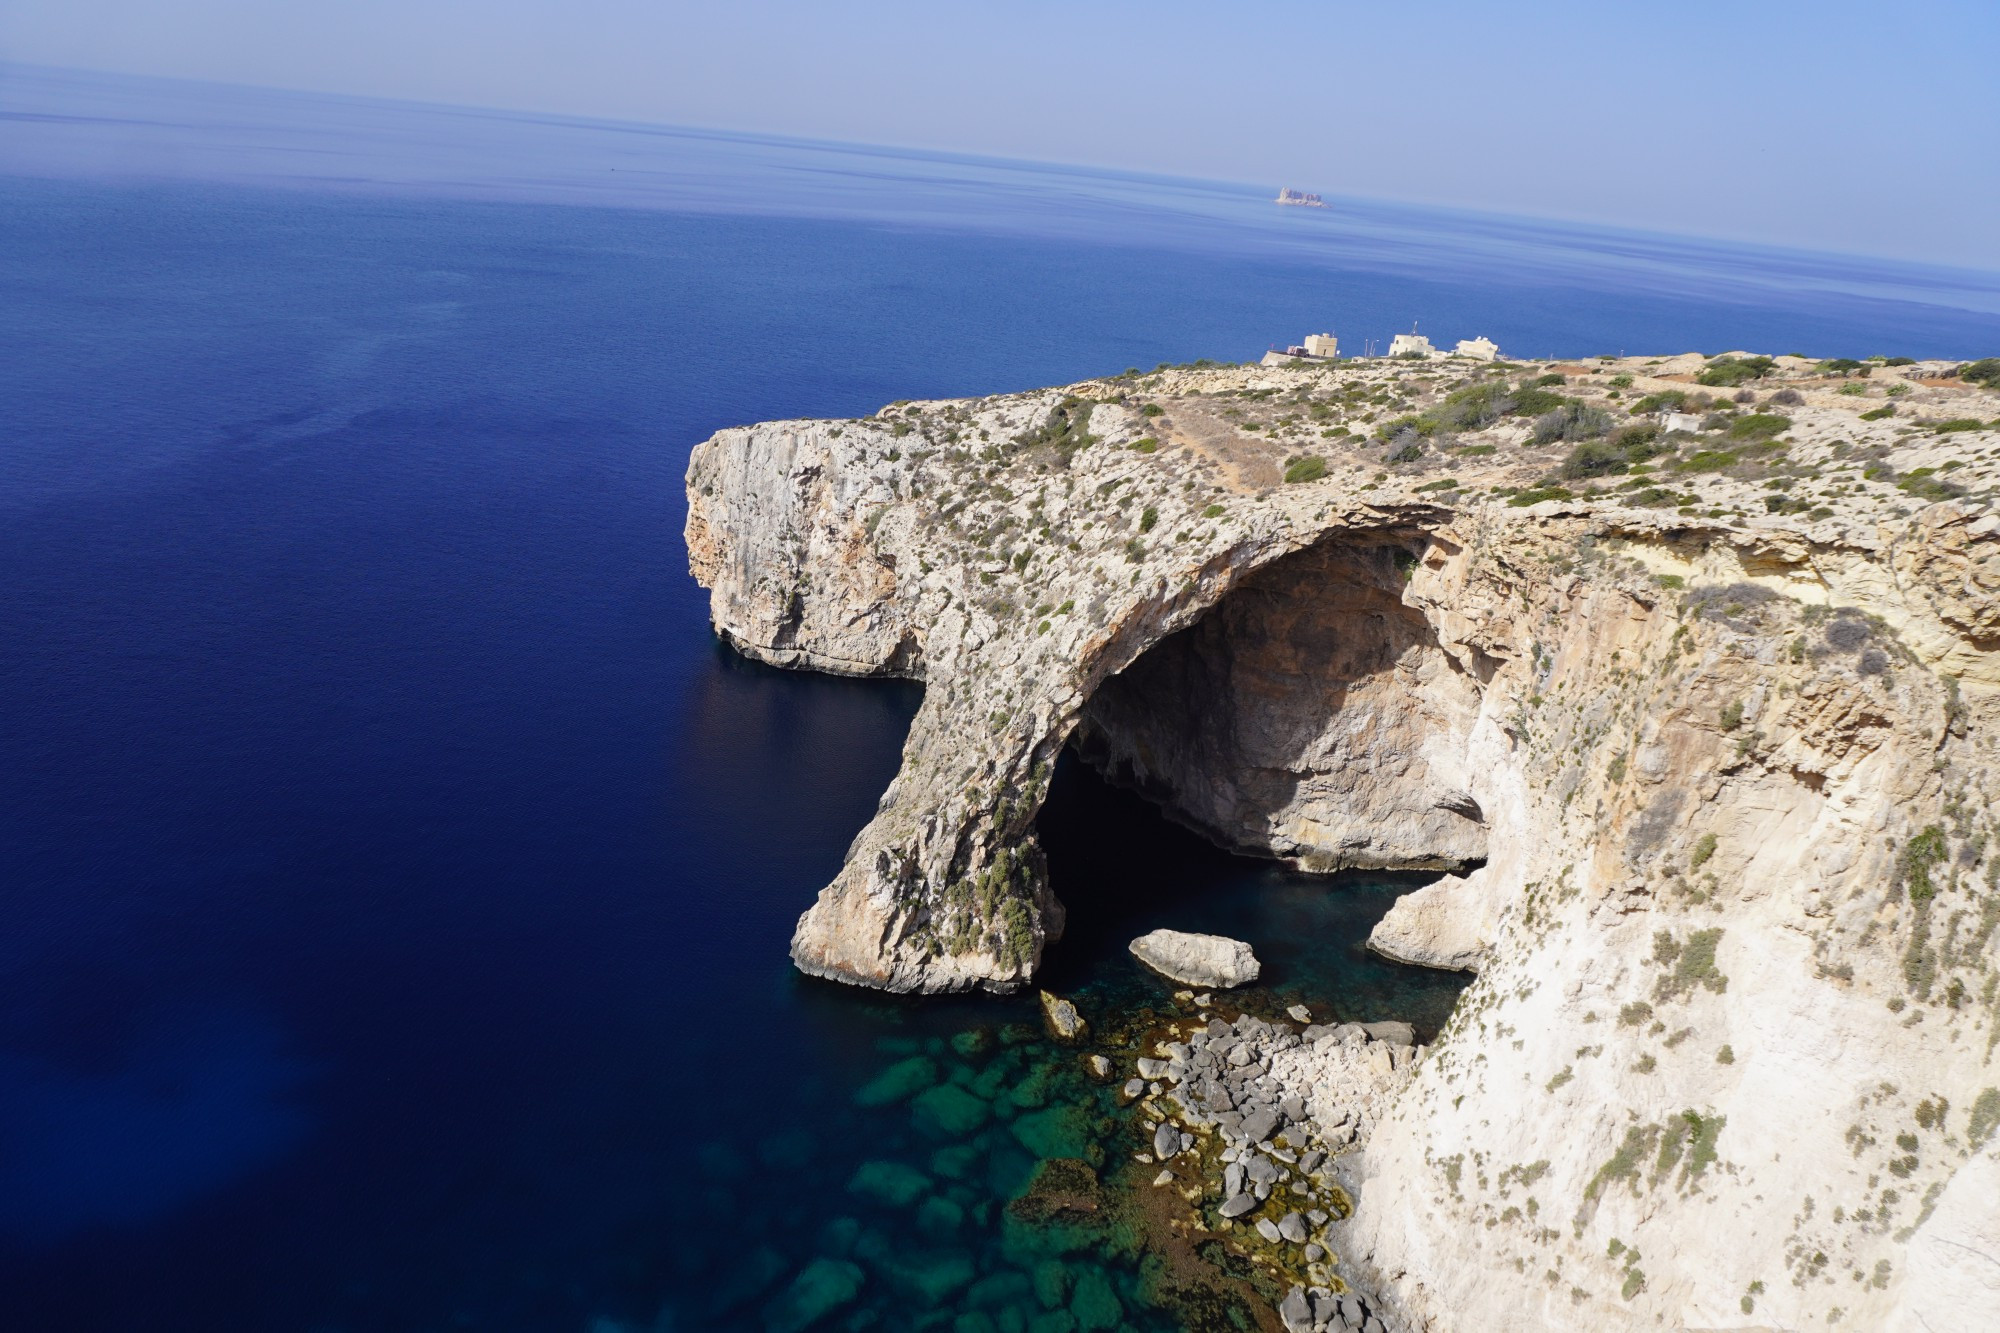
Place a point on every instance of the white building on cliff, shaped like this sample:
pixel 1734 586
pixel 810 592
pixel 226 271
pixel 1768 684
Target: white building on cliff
pixel 1411 344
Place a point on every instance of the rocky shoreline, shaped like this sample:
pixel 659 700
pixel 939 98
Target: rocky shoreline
pixel 1261 1111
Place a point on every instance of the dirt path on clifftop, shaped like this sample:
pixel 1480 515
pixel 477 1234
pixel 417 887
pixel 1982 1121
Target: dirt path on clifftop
pixel 1249 466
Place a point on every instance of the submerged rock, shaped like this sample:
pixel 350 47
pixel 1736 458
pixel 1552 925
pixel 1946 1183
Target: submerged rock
pixel 824 1286
pixel 898 1082
pixel 1197 960
pixel 891 1183
pixel 1060 1131
pixel 948 1112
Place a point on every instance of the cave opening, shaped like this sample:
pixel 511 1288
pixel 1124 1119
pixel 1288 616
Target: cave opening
pixel 1310 716
pixel 1122 869
pixel 1280 771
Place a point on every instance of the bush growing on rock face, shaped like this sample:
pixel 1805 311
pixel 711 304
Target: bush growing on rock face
pixel 1922 854
pixel 1633 444
pixel 1984 371
pixel 1759 426
pixel 1571 422
pixel 1407 447
pixel 1668 400
pixel 1311 467
pixel 1726 372
pixel 1984 1117
pixel 1787 398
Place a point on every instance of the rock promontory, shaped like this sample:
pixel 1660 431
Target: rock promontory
pixel 1685 671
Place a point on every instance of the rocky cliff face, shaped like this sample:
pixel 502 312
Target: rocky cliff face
pixel 1708 731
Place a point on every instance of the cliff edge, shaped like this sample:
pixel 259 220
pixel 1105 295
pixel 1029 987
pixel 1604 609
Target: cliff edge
pixel 1686 669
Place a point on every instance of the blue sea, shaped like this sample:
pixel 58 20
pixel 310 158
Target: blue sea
pixel 396 875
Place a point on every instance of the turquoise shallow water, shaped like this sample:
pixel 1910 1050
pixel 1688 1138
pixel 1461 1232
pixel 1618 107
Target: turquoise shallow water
pixel 915 1193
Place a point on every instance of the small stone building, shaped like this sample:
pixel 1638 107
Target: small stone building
pixel 1411 344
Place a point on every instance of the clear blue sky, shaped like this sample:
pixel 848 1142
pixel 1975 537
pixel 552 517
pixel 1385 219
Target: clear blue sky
pixel 1864 127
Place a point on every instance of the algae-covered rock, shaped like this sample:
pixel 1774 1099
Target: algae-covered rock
pixel 1064 1022
pixel 1060 1131
pixel 956 1162
pixel 939 1216
pixel 1052 1283
pixel 898 1082
pixel 1032 1092
pixel 973 1043
pixel 1053 1321
pixel 822 1287
pixel 992 1080
pixel 838 1236
pixel 948 1112
pixel 890 1183
pixel 1093 1302
pixel 1005 1288
pixel 926 1278
pixel 1062 1210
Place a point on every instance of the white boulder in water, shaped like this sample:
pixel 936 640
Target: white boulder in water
pixel 1197 960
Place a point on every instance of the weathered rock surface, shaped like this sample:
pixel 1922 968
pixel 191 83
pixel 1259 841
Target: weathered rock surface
pixel 1712 751
pixel 1197 960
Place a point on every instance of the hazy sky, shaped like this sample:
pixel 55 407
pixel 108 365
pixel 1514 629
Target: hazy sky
pixel 1864 127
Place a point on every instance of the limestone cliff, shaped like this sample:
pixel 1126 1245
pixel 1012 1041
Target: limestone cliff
pixel 1704 721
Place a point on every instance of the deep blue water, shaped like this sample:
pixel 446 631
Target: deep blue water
pixel 395 877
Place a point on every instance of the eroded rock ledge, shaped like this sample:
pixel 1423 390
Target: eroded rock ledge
pixel 1712 750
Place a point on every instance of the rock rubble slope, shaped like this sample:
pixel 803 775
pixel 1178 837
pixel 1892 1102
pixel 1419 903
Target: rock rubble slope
pixel 1701 720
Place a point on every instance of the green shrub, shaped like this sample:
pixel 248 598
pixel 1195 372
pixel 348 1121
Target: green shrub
pixel 1954 426
pixel 1667 400
pixel 1921 854
pixel 1310 468
pixel 1213 511
pixel 1984 1117
pixel 1066 430
pixel 1838 365
pixel 1534 495
pixel 1925 484
pixel 1531 401
pixel 1709 460
pixel 1985 371
pixel 1152 410
pixel 1703 849
pixel 1594 458
pixel 1694 964
pixel 1145 445
pixel 1727 372
pixel 1759 426
pixel 1879 413
pixel 1148 518
pixel 1571 422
